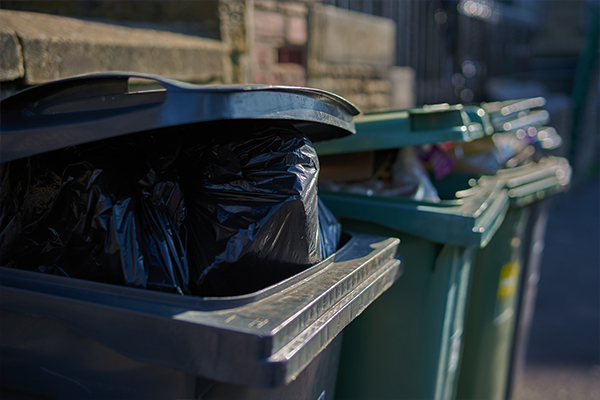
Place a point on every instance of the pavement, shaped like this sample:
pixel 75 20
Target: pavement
pixel 563 358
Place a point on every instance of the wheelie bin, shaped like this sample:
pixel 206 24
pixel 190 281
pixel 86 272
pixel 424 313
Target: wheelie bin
pixel 408 344
pixel 499 272
pixel 500 303
pixel 64 337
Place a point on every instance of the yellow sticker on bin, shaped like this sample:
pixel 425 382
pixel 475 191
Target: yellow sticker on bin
pixel 509 278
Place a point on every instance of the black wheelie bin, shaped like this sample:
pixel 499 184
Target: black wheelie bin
pixel 156 336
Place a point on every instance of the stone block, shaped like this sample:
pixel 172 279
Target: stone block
pixel 293 8
pixel 259 77
pixel 377 86
pixel 402 81
pixel 269 25
pixel 290 74
pixel 360 100
pixel 269 5
pixel 352 84
pixel 321 83
pixel 296 31
pixel 264 54
pixel 57 47
pixel 334 85
pixel 353 70
pixel 343 36
pixel 378 102
pixel 11 56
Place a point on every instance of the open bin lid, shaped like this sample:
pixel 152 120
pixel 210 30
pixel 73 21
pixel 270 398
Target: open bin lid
pixel 411 127
pixel 98 106
pixel 262 339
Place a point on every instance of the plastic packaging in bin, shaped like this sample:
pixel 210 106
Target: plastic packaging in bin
pixel 186 189
pixel 385 133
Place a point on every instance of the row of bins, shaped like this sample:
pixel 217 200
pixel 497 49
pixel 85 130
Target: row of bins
pixel 450 327
pixel 433 217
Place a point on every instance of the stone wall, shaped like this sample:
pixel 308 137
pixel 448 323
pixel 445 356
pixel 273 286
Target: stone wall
pixel 196 18
pixel 41 48
pixel 296 43
pixel 37 48
pixel 352 54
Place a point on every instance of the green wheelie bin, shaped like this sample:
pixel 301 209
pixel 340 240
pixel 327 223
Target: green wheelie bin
pixel 408 343
pixel 498 273
pixel 500 300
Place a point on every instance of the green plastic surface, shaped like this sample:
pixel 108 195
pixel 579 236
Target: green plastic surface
pixel 513 106
pixel 490 325
pixel 433 124
pixel 469 220
pixel 536 181
pixel 407 344
pixel 535 118
pixel 479 115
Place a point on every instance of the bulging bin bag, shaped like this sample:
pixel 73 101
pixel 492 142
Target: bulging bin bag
pixel 107 211
pixel 170 211
pixel 253 214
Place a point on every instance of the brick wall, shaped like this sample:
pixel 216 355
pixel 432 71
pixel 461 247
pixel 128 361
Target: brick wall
pixel 296 43
pixel 279 42
pixel 303 43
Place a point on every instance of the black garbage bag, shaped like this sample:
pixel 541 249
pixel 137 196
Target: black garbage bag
pixel 253 214
pixel 98 212
pixel 330 231
pixel 227 216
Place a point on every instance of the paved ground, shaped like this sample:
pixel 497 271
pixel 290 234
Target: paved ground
pixel 563 361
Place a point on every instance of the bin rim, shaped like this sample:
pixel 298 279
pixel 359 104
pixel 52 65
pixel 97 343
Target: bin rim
pixel 407 127
pixel 280 333
pixel 470 220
